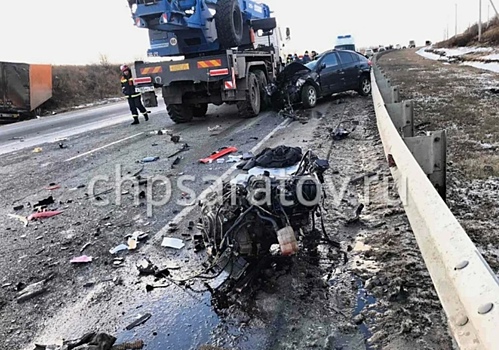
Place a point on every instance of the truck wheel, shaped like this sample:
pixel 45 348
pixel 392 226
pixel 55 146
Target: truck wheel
pixel 264 98
pixel 149 99
pixel 229 23
pixel 180 113
pixel 309 96
pixel 199 110
pixel 251 106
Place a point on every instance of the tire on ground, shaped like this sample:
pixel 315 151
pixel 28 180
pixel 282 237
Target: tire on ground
pixel 199 110
pixel 251 106
pixel 180 113
pixel 229 23
pixel 264 98
pixel 309 96
pixel 364 86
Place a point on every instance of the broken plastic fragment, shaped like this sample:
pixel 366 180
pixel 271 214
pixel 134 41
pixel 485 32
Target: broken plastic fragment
pixel 174 243
pixel 23 219
pixel 118 249
pixel 149 159
pixel 81 259
pixel 139 321
pixel 132 243
pixel 37 150
pixel 44 215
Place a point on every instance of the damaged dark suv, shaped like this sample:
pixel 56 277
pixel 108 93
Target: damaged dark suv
pixel 332 72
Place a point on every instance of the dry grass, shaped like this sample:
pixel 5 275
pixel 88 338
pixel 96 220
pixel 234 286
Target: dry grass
pixel 77 85
pixel 480 166
pixel 490 36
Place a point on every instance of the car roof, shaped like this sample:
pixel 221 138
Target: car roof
pixel 339 50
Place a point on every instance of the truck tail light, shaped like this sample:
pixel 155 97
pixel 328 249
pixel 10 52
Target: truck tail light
pixel 163 19
pixel 219 72
pixel 143 80
pixel 252 36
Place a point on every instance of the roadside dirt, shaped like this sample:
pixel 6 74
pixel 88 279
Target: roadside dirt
pixel 464 101
pixel 377 296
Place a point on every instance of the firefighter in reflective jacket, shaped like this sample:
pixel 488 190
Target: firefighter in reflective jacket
pixel 133 96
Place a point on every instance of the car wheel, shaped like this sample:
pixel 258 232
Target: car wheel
pixel 365 86
pixel 309 96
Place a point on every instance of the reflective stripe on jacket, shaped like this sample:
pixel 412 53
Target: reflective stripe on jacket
pixel 128 87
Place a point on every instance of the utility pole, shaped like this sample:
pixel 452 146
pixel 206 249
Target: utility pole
pixel 479 20
pixel 455 29
pixel 494 7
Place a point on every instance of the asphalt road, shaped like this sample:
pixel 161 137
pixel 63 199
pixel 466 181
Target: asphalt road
pixel 99 142
pixel 308 304
pixel 33 132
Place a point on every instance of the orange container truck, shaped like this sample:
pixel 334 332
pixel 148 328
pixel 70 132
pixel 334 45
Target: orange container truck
pixel 23 89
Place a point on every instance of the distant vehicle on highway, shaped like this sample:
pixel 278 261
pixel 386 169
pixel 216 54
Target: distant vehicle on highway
pixel 381 49
pixel 397 47
pixel 427 43
pixel 368 53
pixel 345 42
pixel 334 71
pixel 412 44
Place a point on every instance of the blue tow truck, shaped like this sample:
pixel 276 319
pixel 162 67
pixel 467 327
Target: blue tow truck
pixel 210 54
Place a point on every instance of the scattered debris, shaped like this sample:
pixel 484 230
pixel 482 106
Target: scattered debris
pixel 176 162
pixel 18 207
pixel 149 159
pixel 81 260
pixel 135 345
pixel 174 243
pixel 184 147
pixel 222 152
pixel 90 341
pixel 33 290
pixel 37 150
pixel 23 219
pixel 44 202
pixel 85 247
pixel 175 138
pixel 215 128
pixel 44 215
pixel 53 187
pixel 140 321
pixel 118 249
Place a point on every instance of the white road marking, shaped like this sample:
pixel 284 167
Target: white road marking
pixel 183 214
pixel 98 149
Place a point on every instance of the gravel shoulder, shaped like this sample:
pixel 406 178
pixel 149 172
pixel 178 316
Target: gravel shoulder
pixel 464 101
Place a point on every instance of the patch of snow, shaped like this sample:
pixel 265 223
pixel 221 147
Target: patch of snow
pixel 464 51
pixel 493 67
pixel 429 55
pixel 491 57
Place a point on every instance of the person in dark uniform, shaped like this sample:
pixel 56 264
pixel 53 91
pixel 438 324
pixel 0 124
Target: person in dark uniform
pixel 133 96
pixel 306 58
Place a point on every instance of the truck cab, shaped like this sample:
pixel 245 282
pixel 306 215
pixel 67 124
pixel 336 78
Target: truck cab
pixel 345 42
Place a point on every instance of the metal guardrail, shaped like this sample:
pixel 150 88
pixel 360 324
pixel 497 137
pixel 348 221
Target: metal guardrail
pixel 467 287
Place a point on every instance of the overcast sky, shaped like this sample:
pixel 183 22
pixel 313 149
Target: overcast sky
pixel 78 32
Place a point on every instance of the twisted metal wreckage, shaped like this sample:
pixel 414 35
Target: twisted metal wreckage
pixel 276 202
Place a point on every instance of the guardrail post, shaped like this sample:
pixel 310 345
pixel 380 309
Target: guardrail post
pixel 395 94
pixel 430 153
pixel 402 115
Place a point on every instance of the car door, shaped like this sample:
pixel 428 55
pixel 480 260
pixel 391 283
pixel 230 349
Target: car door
pixel 349 70
pixel 329 74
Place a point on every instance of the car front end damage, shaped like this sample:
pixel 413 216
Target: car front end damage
pixel 286 90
